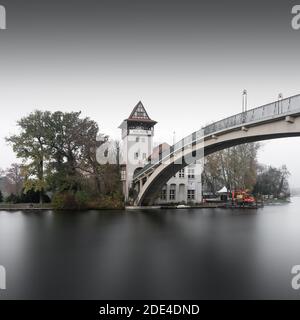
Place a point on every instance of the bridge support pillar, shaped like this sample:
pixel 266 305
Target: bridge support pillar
pixel 140 184
pixel 290 119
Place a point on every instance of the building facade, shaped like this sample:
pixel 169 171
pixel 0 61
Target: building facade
pixel 137 144
pixel 185 187
pixel 137 150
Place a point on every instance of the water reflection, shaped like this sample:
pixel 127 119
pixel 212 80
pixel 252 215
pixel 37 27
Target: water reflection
pixel 166 254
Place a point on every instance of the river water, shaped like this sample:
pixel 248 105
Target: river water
pixel 158 254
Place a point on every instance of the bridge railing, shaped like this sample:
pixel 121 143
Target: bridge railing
pixel 268 111
pixel 272 110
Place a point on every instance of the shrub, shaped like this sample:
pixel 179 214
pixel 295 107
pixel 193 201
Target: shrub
pixel 107 202
pixel 81 199
pixel 12 198
pixel 64 201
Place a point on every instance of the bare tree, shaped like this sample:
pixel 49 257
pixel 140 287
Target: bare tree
pixel 235 168
pixel 15 178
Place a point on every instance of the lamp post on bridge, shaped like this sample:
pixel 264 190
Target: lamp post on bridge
pixel 245 101
pixel 244 105
pixel 280 98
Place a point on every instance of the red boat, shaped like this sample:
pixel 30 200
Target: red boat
pixel 243 197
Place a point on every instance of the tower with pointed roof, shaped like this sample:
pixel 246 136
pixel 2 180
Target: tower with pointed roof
pixel 137 141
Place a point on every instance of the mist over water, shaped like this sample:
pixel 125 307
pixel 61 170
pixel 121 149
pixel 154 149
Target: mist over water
pixel 164 254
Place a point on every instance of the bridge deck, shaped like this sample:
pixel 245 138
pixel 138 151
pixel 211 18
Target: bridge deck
pixel 266 113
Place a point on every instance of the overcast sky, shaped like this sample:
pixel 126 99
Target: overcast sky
pixel 188 61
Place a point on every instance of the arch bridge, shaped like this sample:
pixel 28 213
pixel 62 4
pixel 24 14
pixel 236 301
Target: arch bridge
pixel 271 121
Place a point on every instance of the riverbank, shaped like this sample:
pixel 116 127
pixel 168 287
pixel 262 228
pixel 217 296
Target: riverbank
pixel 30 207
pixel 274 202
pixel 48 206
pixel 25 206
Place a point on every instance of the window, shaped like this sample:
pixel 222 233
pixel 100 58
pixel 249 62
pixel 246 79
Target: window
pixel 163 195
pixel 181 173
pixel 191 173
pixel 123 175
pixel 172 192
pixel 144 156
pixel 136 155
pixel 137 139
pixel 191 194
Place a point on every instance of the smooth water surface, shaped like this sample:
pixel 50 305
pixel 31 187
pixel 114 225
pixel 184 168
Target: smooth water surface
pixel 158 254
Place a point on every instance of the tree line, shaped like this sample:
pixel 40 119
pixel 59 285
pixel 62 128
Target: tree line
pixel 237 168
pixel 58 151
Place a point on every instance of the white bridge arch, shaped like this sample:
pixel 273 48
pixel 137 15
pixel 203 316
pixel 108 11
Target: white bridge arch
pixel 275 120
